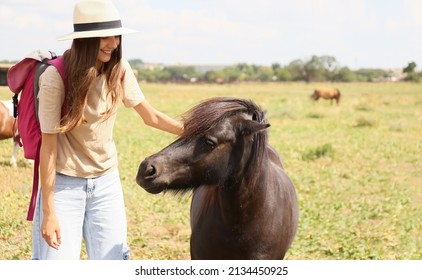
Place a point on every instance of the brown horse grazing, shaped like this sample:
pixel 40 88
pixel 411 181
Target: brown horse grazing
pixel 331 94
pixel 9 127
pixel 244 206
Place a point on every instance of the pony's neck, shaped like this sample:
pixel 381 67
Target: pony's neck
pixel 246 186
pixel 238 199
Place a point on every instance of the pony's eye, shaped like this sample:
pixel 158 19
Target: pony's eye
pixel 210 143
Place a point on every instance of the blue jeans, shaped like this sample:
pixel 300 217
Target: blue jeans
pixel 90 208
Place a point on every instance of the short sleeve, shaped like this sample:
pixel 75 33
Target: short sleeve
pixel 51 97
pixel 132 93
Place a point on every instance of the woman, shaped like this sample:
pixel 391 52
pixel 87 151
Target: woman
pixel 81 194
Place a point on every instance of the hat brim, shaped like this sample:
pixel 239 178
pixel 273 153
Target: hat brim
pixel 97 33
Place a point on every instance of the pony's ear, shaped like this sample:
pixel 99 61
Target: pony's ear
pixel 251 127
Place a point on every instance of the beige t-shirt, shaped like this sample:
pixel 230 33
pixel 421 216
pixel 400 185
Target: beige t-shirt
pixel 88 150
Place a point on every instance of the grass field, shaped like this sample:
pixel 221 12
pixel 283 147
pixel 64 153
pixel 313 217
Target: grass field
pixel 357 170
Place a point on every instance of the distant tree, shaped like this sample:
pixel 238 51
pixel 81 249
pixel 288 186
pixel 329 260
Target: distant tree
pixel 319 68
pixel 242 67
pixel 344 74
pixel 135 63
pixel 212 76
pixel 275 67
pixel 242 72
pixel 163 75
pixel 283 75
pixel 265 74
pixel 313 70
pixel 231 74
pixel 252 72
pixel 296 70
pixel 411 74
pixel 410 68
pixel 145 75
pixel 180 73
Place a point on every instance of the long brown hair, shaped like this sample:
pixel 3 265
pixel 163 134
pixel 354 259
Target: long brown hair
pixel 81 72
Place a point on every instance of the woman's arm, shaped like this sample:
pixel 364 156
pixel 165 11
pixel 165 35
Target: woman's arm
pixel 50 229
pixel 155 118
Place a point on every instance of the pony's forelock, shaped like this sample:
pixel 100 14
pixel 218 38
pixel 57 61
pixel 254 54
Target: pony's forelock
pixel 211 111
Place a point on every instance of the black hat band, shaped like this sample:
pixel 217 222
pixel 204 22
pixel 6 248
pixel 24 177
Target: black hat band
pixel 80 27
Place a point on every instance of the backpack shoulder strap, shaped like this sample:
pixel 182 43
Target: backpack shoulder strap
pixel 39 69
pixel 58 63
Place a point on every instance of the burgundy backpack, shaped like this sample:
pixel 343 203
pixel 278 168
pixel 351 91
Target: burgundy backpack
pixel 23 79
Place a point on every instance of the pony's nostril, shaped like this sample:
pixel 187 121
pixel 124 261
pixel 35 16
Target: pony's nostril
pixel 150 171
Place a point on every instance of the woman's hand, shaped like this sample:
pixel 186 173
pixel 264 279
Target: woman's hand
pixel 50 231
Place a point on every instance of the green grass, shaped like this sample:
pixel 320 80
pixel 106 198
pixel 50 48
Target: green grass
pixel 356 167
pixel 325 150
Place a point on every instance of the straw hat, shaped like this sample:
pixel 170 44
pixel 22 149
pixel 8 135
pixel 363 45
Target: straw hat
pixel 95 18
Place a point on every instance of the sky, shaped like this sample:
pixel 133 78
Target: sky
pixel 358 33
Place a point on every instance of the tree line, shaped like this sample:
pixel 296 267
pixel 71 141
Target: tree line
pixel 315 69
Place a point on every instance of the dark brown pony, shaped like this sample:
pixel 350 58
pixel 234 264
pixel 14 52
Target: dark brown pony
pixel 332 94
pixel 9 127
pixel 244 206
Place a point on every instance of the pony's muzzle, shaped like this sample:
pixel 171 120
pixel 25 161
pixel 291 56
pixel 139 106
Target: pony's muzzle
pixel 147 172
